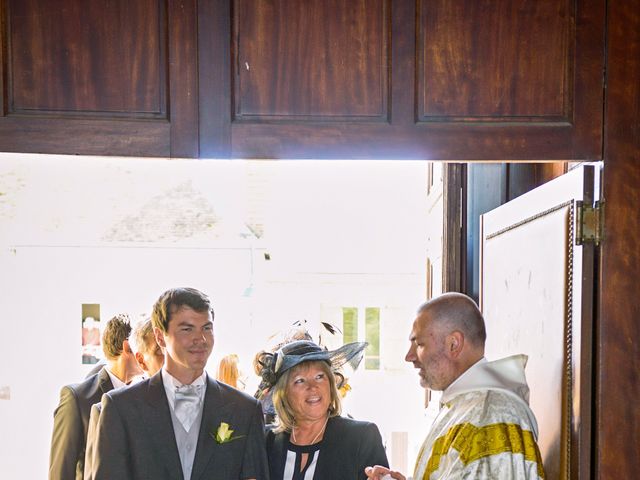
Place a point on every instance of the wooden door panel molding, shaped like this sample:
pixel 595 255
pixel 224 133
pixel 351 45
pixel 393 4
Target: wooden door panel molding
pixel 85 136
pixel 99 78
pixel 550 74
pixel 520 82
pixel 271 79
pixel 183 77
pixel 457 142
pixel 87 58
pixel 317 60
pixel 533 280
pixel 466 73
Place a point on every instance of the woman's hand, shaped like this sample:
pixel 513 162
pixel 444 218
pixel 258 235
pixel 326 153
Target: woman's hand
pixel 382 473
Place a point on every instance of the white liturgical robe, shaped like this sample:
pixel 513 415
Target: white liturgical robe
pixel 485 428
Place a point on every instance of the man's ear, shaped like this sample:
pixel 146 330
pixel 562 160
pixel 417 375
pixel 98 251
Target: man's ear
pixel 126 347
pixel 455 343
pixel 140 360
pixel 159 334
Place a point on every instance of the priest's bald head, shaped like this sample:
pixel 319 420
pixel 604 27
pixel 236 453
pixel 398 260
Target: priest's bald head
pixel 447 337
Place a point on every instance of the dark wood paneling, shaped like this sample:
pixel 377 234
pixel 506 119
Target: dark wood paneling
pixel 454 230
pixel 317 59
pixel 432 142
pixel 183 77
pixel 325 79
pixel 103 78
pixel 3 61
pixel 84 136
pixel 617 426
pixel 214 71
pixel 533 68
pixel 495 60
pixel 86 57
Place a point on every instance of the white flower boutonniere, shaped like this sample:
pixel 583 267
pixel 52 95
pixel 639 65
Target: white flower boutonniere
pixel 224 434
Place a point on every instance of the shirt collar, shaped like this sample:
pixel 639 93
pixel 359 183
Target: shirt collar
pixel 115 381
pixel 171 383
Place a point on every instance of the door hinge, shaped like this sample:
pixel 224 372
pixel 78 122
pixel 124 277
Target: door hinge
pixel 590 223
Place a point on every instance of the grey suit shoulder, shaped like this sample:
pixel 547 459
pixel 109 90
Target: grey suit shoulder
pixel 71 423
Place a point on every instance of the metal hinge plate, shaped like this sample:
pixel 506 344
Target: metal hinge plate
pixel 590 223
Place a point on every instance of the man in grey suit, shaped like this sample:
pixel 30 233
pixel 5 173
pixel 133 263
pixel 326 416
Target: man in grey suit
pixel 150 358
pixel 71 417
pixel 180 423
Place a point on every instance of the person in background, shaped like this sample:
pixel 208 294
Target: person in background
pixel 149 354
pixel 71 417
pixel 311 441
pixel 150 358
pixel 229 372
pixel 180 423
pixel 485 428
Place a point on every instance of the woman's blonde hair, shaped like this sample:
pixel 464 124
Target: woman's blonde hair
pixel 285 420
pixel 228 371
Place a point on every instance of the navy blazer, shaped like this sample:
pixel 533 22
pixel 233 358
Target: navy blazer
pixel 347 448
pixel 70 425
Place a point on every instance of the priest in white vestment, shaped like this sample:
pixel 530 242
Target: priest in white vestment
pixel 485 428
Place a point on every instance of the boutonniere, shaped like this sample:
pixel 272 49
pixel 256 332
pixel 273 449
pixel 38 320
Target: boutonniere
pixel 224 434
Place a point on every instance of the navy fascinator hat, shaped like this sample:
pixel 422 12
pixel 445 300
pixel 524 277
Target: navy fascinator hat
pixel 294 353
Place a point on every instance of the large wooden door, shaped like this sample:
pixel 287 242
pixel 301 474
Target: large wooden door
pixel 536 292
pixel 403 79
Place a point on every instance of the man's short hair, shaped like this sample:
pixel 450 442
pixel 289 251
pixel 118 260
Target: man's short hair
pixel 115 333
pixel 172 300
pixel 457 311
pixel 141 335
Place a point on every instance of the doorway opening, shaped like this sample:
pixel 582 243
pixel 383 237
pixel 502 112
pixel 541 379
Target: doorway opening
pixel 355 245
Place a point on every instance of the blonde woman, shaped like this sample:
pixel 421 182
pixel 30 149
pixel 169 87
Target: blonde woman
pixel 311 441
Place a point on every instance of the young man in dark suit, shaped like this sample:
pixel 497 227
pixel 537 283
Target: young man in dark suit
pixel 180 423
pixel 71 417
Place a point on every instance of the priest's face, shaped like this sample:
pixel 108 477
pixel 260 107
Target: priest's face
pixel 428 353
pixel 188 343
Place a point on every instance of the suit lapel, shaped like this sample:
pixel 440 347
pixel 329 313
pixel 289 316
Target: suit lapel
pixel 214 412
pixel 279 455
pixel 327 456
pixel 160 425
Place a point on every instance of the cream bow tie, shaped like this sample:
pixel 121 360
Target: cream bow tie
pixel 186 406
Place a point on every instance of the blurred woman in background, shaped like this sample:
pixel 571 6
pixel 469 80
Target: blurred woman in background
pixel 229 372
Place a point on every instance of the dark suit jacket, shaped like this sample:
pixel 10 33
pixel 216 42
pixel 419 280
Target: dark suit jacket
pixel 70 424
pixel 135 438
pixel 347 448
